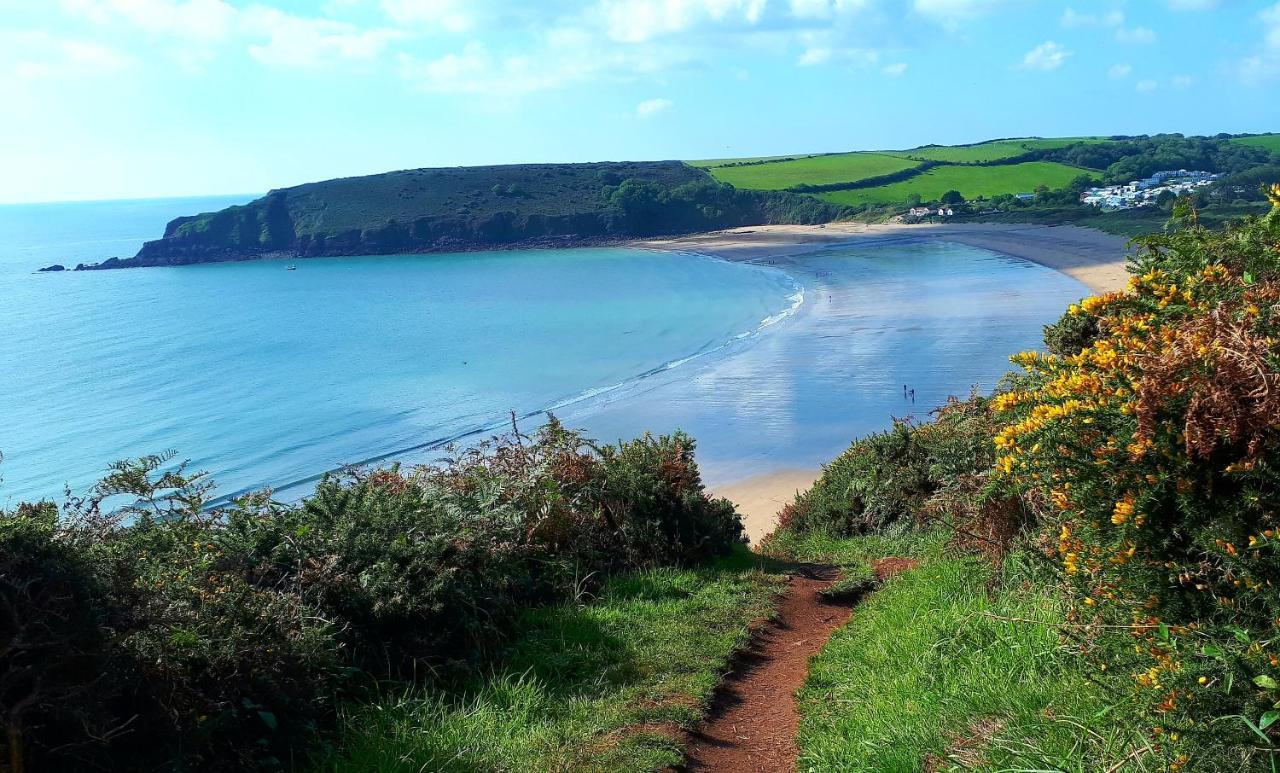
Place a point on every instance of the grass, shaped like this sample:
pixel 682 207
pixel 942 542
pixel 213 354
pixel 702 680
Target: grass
pixel 856 580
pixel 990 151
pixel 971 181
pixel 815 170
pixel 601 686
pixel 935 671
pixel 1270 142
pixel 707 163
pixel 987 151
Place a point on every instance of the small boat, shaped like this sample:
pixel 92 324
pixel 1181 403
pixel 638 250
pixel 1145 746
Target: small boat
pixel 290 268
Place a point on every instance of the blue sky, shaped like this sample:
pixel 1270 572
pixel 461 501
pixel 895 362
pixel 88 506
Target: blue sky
pixel 139 98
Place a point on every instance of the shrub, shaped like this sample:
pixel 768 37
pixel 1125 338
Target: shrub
pixel 168 635
pixel 894 481
pixel 1151 454
pixel 1071 333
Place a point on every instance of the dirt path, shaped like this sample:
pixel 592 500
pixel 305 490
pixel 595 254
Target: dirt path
pixel 753 722
pixel 752 726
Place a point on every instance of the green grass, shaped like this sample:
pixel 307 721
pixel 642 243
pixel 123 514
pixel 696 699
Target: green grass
pixel 987 151
pixel 816 170
pixel 707 163
pixel 934 670
pixel 971 181
pixel 856 580
pixel 602 686
pixel 1270 142
pixel 990 151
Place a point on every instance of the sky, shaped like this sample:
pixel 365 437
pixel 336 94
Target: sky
pixel 104 99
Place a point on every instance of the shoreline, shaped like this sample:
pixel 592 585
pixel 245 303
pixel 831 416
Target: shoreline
pixel 1091 257
pixel 1094 258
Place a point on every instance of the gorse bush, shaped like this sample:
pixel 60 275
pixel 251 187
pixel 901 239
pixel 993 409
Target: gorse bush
pixel 893 481
pixel 166 635
pixel 1151 454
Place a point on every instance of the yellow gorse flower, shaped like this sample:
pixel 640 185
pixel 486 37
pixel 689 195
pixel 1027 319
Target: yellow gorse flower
pixel 1273 195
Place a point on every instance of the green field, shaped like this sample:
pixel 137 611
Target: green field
pixel 989 151
pixel 707 163
pixel 971 181
pixel 815 170
pixel 1269 142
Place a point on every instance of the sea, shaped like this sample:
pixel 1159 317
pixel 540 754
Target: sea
pixel 271 373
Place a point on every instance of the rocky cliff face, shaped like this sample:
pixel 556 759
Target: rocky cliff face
pixel 428 210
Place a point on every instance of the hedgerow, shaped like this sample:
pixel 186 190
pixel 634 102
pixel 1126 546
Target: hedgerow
pixel 143 630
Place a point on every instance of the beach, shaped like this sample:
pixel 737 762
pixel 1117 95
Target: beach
pixel 1093 258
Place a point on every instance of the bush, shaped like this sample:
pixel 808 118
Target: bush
pixel 1071 333
pixel 1152 455
pixel 895 481
pixel 168 635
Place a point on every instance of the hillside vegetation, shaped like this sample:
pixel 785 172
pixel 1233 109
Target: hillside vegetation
pixel 1268 142
pixel 1106 596
pixel 973 182
pixel 987 151
pixel 144 632
pixel 537 205
pixel 474 208
pixel 814 170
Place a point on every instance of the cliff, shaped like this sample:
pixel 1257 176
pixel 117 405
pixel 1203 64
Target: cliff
pixel 466 208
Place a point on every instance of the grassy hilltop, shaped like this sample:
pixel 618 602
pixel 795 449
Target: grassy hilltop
pixel 460 208
pixel 533 205
pixel 1048 172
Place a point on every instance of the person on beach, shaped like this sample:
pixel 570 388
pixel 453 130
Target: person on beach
pixel 913 397
pixel 904 391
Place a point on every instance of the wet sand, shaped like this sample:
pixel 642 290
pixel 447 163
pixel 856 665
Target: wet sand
pixel 1093 258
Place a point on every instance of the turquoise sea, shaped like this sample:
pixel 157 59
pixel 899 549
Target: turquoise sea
pixel 265 376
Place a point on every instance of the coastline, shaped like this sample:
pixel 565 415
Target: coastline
pixel 1093 258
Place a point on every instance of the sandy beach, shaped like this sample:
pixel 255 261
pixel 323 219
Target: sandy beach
pixel 1093 258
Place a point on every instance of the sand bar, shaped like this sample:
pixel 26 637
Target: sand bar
pixel 1093 258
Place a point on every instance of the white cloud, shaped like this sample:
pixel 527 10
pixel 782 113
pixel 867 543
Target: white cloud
pixel 814 56
pixel 1137 35
pixel 193 29
pixel 295 41
pixel 652 107
pixel 200 20
pixel 1121 70
pixel 564 57
pixel 1072 18
pixel 825 9
pixel 1046 56
pixel 950 10
pixel 895 70
pixel 449 15
pixel 1265 64
pixel 635 21
pixel 1146 86
pixel 33 55
pixel 1183 81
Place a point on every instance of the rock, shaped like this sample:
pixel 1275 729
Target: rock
pixel 55 267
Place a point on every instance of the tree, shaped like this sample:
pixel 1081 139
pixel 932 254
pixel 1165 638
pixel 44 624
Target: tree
pixel 913 200
pixel 952 197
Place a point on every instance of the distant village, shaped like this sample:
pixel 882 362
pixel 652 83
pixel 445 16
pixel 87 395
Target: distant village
pixel 1144 193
